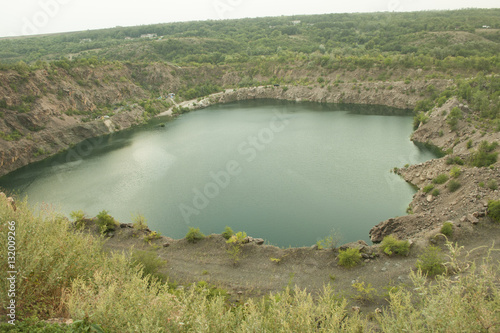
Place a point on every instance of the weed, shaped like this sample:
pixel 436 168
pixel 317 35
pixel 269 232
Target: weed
pixel 139 222
pixel 235 243
pixel 455 172
pixel 105 222
pixel 435 193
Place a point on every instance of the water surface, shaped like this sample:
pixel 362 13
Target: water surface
pixel 289 173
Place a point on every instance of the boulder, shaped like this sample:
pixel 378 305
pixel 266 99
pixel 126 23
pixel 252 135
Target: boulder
pixel 378 232
pixel 472 219
pixel 258 241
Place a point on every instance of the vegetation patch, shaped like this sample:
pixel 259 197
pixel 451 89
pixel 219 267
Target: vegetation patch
pixel 484 155
pixel 431 262
pixel 494 210
pixel 447 229
pixel 349 258
pixel 105 222
pixel 441 179
pixel 194 235
pixel 453 185
pixel 391 245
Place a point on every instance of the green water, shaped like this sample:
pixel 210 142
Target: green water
pixel 289 173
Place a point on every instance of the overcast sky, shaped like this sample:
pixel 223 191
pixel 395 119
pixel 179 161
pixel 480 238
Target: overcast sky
pixel 27 17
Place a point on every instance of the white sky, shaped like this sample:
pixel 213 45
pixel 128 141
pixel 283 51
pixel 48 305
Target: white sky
pixel 27 17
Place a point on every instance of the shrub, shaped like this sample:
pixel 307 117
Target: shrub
pixel 227 233
pixel 392 245
pixel 431 262
pixel 453 185
pixel 139 222
pixel 455 172
pixel 484 155
pixel 440 179
pixel 492 184
pixel 105 222
pixel 428 188
pixel 447 229
pixel 469 144
pixel 150 264
pixel 481 184
pixel 453 118
pixel 349 257
pixel 435 193
pixel 494 210
pixel 454 160
pixel 194 235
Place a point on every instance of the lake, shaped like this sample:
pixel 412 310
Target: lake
pixel 291 173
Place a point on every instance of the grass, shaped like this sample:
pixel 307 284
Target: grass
pixel 391 244
pixel 227 233
pixel 105 222
pixel 492 184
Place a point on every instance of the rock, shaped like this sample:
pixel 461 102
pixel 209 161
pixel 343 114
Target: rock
pixel 430 198
pixel 463 219
pixel 110 234
pixel 167 244
pixel 472 219
pixel 126 225
pixel 314 247
pixel 355 309
pixel 360 245
pixel 378 232
pixel 259 241
pixel 365 256
pixel 383 269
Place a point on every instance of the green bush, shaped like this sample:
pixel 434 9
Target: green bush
pixel 454 160
pixel 194 235
pixel 349 257
pixel 481 184
pixel 484 155
pixel 453 118
pixel 494 210
pixel 435 193
pixel 441 179
pixel 227 233
pixel 447 229
pixel 492 184
pixel 78 217
pixel 235 242
pixel 428 188
pixel 105 222
pixel 150 264
pixel 392 245
pixel 431 262
pixel 453 185
pixel 455 172
pixel 152 235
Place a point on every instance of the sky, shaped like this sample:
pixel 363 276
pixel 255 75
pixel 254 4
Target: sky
pixel 31 17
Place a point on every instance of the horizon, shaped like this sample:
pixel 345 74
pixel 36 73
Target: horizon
pixel 46 17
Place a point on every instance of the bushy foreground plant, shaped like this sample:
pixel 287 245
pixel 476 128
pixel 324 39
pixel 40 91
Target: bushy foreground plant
pixel 469 304
pixel 391 244
pixel 50 254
